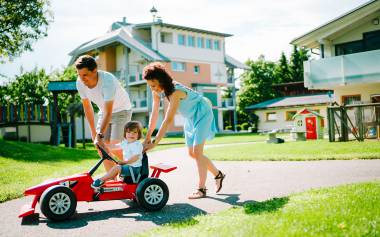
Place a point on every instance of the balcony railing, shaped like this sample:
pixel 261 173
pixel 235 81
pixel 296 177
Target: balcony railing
pixel 342 70
pixel 134 77
pixel 140 103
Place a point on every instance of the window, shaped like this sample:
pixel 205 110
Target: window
pixel 349 48
pixel 289 115
pixel 371 40
pixel 196 69
pixel 208 44
pixel 178 66
pixel 271 117
pixel 166 37
pixel 351 99
pixel 181 39
pixel 216 44
pixel 191 41
pixel 200 42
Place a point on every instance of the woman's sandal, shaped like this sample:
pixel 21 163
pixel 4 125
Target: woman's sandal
pixel 219 181
pixel 201 193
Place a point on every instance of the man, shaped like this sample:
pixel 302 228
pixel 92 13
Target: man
pixel 113 102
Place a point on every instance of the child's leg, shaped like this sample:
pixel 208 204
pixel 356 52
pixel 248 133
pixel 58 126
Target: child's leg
pixel 112 173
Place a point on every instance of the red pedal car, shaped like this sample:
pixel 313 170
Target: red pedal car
pixel 58 198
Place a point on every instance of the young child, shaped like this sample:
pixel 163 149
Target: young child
pixel 132 154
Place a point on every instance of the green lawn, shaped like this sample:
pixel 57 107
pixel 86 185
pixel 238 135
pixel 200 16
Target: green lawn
pixel 219 139
pixel 310 150
pixel 351 210
pixel 23 165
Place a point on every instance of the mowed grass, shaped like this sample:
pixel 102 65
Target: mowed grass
pixel 309 150
pixel 350 210
pixel 179 141
pixel 24 164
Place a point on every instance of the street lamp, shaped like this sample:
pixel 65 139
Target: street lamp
pixel 153 11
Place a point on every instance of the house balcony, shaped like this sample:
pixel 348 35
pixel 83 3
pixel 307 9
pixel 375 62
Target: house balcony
pixel 140 105
pixel 329 73
pixel 136 79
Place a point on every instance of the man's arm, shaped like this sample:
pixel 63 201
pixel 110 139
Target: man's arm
pixel 89 112
pixel 107 116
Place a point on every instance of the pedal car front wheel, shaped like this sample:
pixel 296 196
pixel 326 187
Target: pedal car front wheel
pixel 58 203
pixel 152 194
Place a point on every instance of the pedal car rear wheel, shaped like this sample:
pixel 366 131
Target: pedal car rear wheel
pixel 58 203
pixel 152 194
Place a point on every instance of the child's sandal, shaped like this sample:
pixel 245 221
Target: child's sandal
pixel 200 194
pixel 219 181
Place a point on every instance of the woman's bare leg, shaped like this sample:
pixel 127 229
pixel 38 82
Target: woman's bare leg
pixel 203 164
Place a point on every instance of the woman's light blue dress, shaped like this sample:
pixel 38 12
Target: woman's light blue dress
pixel 199 118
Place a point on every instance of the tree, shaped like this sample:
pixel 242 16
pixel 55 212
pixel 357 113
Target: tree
pixel 29 87
pixel 22 22
pixel 256 86
pixel 296 63
pixel 283 71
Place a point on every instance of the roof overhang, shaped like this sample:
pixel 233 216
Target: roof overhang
pixel 338 26
pixel 234 63
pixel 121 37
pixel 178 27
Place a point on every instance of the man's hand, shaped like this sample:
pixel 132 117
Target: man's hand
pixel 147 141
pixel 149 146
pixel 100 142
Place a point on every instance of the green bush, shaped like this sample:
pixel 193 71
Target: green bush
pixel 229 127
pixel 244 126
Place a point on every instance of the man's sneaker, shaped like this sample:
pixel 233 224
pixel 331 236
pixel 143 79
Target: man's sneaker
pixel 97 183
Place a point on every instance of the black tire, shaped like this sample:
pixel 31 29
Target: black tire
pixel 152 194
pixel 58 203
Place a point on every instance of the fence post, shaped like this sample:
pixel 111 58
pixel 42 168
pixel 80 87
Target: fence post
pixel 330 119
pixel 343 124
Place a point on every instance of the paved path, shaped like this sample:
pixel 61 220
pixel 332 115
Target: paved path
pixel 245 181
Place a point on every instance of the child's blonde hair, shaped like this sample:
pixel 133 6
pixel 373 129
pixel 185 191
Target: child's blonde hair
pixel 133 126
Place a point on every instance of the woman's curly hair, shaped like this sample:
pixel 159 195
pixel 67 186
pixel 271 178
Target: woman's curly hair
pixel 157 71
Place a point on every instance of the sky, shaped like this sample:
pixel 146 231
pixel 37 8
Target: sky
pixel 259 27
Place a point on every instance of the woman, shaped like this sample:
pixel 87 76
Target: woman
pixel 199 121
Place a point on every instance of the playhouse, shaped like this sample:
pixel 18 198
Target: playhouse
pixel 309 122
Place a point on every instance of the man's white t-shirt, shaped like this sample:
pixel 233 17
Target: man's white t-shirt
pixel 108 88
pixel 131 149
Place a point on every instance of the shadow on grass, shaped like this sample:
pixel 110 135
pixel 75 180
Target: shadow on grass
pixel 253 207
pixel 175 214
pixel 28 152
pixel 274 204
